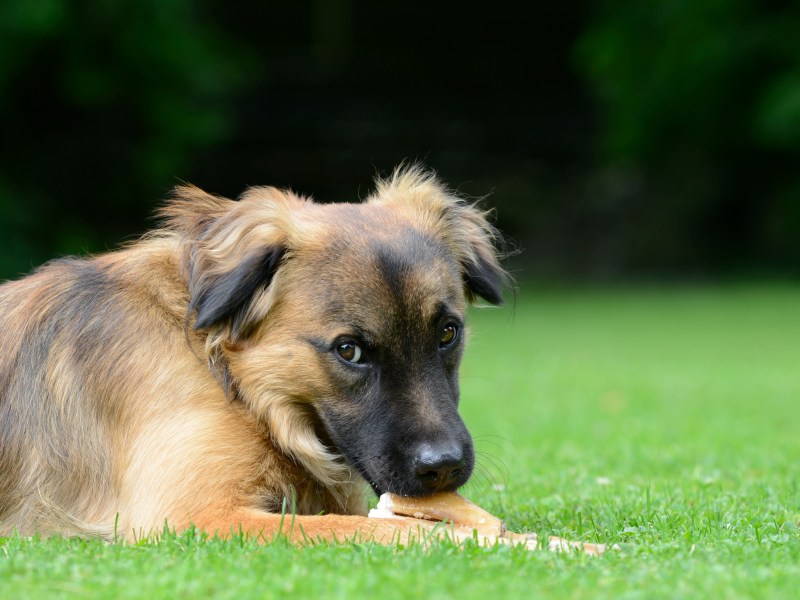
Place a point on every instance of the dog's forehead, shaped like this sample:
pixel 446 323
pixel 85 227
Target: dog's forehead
pixel 357 220
pixel 372 263
pixel 355 235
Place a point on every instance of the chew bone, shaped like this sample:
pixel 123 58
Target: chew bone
pixel 466 517
pixel 444 507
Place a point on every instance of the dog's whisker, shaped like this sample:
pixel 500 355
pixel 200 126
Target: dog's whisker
pixel 499 441
pixel 496 463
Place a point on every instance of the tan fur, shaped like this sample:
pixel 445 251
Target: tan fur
pixel 116 409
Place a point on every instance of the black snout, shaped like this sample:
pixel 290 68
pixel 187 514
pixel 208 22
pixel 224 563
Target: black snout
pixel 440 467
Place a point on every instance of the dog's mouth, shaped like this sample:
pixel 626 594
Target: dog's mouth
pixel 441 463
pixel 418 475
pixel 403 476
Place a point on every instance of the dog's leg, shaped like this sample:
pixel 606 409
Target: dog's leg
pixel 305 530
pixel 309 529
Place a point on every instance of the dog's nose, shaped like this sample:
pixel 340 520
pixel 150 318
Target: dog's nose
pixel 439 466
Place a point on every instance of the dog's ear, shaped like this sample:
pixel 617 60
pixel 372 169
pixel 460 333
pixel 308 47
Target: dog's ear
pixel 189 210
pixel 483 275
pixel 226 296
pixel 462 226
pixel 233 250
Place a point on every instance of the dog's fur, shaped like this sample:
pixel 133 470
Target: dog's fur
pixel 194 376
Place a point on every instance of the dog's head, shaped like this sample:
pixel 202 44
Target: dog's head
pixel 342 325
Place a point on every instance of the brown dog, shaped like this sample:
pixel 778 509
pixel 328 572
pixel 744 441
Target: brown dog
pixel 247 353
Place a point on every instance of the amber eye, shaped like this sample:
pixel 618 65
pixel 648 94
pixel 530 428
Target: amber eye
pixel 449 333
pixel 349 351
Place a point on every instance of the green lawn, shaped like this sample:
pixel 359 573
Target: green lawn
pixel 666 420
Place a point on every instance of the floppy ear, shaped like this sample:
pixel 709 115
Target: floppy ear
pixel 463 227
pixel 226 296
pixel 233 251
pixel 483 275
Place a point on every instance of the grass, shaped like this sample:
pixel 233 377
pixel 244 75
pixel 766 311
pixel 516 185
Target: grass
pixel 666 420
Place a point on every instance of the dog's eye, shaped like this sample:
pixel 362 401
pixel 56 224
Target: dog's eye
pixel 349 351
pixel 449 334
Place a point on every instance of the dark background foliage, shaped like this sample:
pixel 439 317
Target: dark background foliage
pixel 616 138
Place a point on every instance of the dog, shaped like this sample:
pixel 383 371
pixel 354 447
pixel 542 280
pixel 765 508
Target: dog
pixel 246 359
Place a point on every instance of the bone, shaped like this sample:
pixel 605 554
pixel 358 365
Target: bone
pixel 447 506
pixel 466 517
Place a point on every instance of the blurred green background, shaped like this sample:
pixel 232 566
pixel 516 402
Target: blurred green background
pixel 618 139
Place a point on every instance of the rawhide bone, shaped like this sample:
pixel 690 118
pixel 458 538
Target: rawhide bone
pixel 465 517
pixel 443 507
